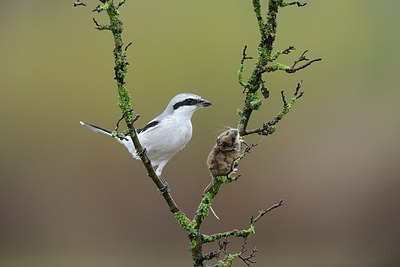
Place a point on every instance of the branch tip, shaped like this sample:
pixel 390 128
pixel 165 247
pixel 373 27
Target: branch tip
pixel 96 23
pixel 299 4
pixel 126 48
pixel 288 50
pixel 121 3
pixel 248 260
pixel 244 54
pixel 296 92
pixel 283 98
pixel 263 212
pixel 302 58
pixel 100 8
pixel 264 89
pixel 79 3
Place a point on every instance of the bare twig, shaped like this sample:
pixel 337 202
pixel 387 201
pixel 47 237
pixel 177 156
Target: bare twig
pixel 241 69
pixel 222 248
pixel 268 128
pixel 101 27
pixel 123 118
pixel 79 3
pixel 240 233
pixel 302 58
pixel 264 90
pixel 121 2
pixel 288 50
pixel 263 212
pixel 293 3
pixel 126 47
pixel 250 146
pixel 248 260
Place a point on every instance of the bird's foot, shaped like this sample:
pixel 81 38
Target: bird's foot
pixel 141 154
pixel 166 188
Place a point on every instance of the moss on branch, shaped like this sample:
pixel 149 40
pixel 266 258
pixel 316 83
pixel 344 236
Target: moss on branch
pixel 267 28
pixel 267 25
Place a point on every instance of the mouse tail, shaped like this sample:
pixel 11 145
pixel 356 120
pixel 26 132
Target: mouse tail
pixel 213 212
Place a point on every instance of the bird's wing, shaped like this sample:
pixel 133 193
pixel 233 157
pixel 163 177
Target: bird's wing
pixel 150 126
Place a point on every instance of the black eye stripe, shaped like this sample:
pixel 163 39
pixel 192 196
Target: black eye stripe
pixel 187 102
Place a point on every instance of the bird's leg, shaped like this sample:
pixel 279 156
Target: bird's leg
pixel 144 150
pixel 159 169
pixel 165 189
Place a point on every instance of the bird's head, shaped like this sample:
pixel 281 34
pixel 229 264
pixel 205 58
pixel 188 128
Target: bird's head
pixel 186 104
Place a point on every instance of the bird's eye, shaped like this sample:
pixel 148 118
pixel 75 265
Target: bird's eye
pixel 190 101
pixel 227 133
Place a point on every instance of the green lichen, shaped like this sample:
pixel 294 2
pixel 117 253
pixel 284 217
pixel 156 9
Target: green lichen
pixel 252 102
pixel 278 67
pixel 250 231
pixel 185 222
pixel 271 129
pixel 193 243
pixel 228 261
pixel 207 239
pixel 204 207
pixel 255 104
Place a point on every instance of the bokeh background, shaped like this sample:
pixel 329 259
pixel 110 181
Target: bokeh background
pixel 69 197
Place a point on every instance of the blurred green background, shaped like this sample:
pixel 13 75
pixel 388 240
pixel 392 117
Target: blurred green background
pixel 69 197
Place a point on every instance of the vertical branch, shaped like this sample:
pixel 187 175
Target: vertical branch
pixel 267 28
pixel 124 99
pixel 267 37
pixel 267 31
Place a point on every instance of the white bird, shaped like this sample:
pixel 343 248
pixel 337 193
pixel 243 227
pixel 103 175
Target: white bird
pixel 166 134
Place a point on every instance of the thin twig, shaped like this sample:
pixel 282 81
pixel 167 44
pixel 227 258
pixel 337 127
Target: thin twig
pixel 268 128
pixel 248 260
pixel 263 212
pixel 121 2
pixel 241 69
pixel 302 58
pixel 79 3
pixel 126 48
pixel 293 3
pixel 288 50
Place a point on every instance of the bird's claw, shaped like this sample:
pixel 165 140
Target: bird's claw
pixel 141 154
pixel 165 189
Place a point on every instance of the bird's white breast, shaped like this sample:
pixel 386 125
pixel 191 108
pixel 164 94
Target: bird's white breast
pixel 166 139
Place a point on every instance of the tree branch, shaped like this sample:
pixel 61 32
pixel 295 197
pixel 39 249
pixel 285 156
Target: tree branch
pixel 267 28
pixel 285 4
pixel 79 3
pixel 241 68
pixel 241 233
pixel 302 58
pixel 267 37
pixel 124 98
pixel 268 128
pixel 248 260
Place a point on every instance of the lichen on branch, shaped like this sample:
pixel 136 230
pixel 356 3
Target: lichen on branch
pixel 267 28
pixel 252 86
pixel 115 26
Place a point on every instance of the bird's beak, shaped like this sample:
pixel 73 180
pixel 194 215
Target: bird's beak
pixel 204 103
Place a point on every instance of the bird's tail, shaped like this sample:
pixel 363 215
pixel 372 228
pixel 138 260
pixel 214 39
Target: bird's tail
pixel 95 128
pixel 126 141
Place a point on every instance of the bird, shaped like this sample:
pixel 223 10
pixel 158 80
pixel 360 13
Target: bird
pixel 165 135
